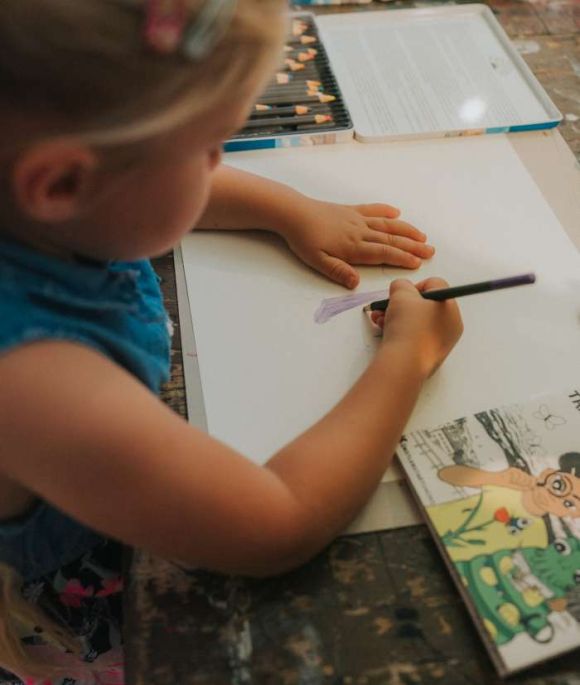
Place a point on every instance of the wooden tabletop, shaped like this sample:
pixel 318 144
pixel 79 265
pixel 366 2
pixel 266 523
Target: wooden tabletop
pixel 376 609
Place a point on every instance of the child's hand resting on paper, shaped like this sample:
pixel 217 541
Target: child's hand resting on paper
pixel 430 328
pixel 328 237
pixel 332 237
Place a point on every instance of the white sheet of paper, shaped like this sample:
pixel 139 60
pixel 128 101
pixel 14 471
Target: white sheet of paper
pixel 391 505
pixel 268 371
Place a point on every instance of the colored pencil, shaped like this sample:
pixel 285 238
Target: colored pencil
pixel 462 290
pixel 299 27
pixel 284 78
pixel 313 107
pixel 310 66
pixel 299 100
pixel 308 84
pixel 317 119
pixel 303 40
pixel 302 55
pixel 306 56
pixel 261 110
pixel 291 92
pixel 300 48
pixel 293 65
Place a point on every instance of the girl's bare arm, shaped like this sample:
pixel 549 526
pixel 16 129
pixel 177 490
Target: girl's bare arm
pixel 81 433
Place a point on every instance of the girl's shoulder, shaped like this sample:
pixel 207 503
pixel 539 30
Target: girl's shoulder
pixel 24 270
pixel 114 307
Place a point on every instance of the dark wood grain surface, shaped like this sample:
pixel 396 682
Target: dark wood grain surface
pixel 376 609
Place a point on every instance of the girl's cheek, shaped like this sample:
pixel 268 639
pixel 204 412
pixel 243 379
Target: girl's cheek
pixel 215 157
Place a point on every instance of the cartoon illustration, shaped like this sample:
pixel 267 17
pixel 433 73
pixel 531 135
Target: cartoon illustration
pixel 509 510
pixel 486 523
pixel 506 510
pixel 515 591
pixel 551 421
pixel 554 491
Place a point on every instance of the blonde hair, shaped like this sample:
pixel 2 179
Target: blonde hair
pixel 82 68
pixel 18 618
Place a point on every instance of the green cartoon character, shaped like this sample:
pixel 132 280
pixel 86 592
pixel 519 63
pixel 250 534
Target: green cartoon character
pixel 516 590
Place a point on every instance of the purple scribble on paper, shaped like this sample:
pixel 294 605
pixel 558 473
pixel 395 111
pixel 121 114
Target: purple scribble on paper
pixel 335 305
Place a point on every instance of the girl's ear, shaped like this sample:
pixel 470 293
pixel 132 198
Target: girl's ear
pixel 51 181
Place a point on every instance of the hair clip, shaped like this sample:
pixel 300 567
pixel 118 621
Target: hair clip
pixel 165 23
pixel 167 28
pixel 211 23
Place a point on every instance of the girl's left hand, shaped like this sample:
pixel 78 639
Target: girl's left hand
pixel 331 237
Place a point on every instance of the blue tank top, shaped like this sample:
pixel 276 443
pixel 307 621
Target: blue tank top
pixel 113 307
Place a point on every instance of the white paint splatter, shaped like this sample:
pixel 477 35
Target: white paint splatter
pixel 526 47
pixel 567 94
pixel 240 652
pixel 575 66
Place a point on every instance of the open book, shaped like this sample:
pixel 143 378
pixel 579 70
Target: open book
pixel 501 493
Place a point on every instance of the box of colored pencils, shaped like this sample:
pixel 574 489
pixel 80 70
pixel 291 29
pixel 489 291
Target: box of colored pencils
pixel 302 105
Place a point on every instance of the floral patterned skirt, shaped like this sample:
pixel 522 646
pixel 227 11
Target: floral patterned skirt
pixel 85 597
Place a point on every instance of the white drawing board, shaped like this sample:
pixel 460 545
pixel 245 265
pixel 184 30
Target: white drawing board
pixel 268 371
pixel 391 506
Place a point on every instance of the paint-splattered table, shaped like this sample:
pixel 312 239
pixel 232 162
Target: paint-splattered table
pixel 372 609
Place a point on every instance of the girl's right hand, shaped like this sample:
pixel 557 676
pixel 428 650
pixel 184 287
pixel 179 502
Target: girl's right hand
pixel 428 329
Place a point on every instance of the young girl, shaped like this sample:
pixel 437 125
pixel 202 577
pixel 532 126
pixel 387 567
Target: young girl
pixel 112 116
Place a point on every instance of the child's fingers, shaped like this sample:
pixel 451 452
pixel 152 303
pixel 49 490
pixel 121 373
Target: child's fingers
pixel 378 318
pixel 402 284
pixel 419 249
pixel 432 283
pixel 377 253
pixel 337 270
pixel 396 227
pixel 378 210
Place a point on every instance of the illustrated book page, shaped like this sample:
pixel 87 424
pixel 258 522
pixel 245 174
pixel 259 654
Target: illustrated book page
pixel 500 489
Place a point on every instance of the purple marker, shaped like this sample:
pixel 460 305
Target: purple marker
pixel 462 290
